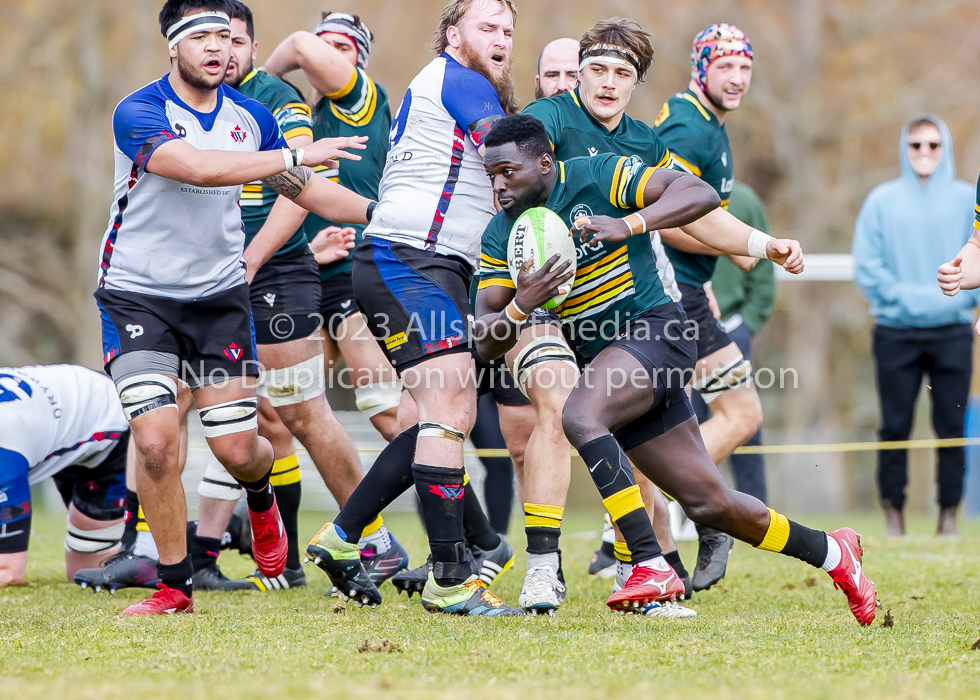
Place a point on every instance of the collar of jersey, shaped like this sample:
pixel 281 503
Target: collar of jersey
pixel 693 99
pixel 205 119
pixel 609 134
pixel 249 76
pixel 559 186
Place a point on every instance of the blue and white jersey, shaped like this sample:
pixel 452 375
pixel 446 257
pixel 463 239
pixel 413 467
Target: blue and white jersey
pixel 58 416
pixel 168 238
pixel 434 191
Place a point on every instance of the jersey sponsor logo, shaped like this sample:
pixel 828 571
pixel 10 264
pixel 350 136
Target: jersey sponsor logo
pixel 181 131
pixel 134 329
pixel 9 393
pixel 345 304
pixel 239 134
pixel 233 352
pixel 664 114
pixel 577 211
pixel 727 184
pixel 270 299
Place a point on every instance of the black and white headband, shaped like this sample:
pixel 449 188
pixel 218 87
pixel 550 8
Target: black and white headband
pixel 611 53
pixel 353 28
pixel 201 22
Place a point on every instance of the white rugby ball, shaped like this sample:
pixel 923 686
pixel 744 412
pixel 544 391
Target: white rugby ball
pixel 538 234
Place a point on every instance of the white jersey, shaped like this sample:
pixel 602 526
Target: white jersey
pixel 59 416
pixel 167 238
pixel 434 192
pixel 665 267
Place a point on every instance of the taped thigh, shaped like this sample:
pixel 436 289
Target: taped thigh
pixel 545 348
pixel 735 374
pixel 142 393
pixel 217 483
pixel 292 385
pixel 377 398
pixel 92 541
pixel 230 417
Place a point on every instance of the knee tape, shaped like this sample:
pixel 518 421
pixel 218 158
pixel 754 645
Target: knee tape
pixel 292 385
pixel 377 398
pixel 735 374
pixel 217 483
pixel 92 541
pixel 143 393
pixel 229 417
pixel 441 431
pixel 546 348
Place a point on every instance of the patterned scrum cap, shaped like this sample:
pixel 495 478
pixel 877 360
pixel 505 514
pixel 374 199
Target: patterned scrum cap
pixel 353 28
pixel 714 42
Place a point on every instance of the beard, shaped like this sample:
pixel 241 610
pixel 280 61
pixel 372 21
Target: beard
pixel 538 92
pixel 502 79
pixel 236 79
pixel 196 77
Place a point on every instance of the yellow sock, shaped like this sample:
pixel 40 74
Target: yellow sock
pixel 373 527
pixel 285 471
pixel 623 552
pixel 778 533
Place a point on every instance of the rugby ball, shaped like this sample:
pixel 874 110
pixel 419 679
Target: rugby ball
pixel 538 234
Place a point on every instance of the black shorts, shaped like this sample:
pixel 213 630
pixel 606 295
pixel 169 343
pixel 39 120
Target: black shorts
pixel 662 340
pixel 416 301
pixel 285 296
pixel 100 492
pixel 495 378
pixel 337 301
pixel 711 335
pixel 212 336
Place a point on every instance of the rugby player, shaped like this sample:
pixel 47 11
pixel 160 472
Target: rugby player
pixel 631 399
pixel 411 277
pixel 172 287
pixel 284 291
pixel 557 68
pixel 963 272
pixel 589 120
pixel 61 421
pixel 692 125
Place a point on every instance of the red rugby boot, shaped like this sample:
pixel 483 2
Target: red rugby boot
pixel 269 542
pixel 849 576
pixel 164 601
pixel 646 585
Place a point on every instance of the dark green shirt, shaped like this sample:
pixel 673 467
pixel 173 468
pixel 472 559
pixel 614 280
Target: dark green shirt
pixel 359 109
pixel 750 294
pixel 614 282
pixel 293 116
pixel 574 132
pixel 699 145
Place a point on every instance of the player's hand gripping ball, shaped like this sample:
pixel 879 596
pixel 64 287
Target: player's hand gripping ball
pixel 538 235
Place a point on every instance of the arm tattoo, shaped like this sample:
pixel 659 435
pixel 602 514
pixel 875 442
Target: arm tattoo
pixel 290 183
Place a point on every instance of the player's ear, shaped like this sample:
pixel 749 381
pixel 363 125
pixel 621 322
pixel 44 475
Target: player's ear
pixel 255 50
pixel 545 163
pixel 452 34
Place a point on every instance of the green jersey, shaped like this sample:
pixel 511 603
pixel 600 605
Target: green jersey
pixel 359 109
pixel 293 116
pixel 574 132
pixel 699 145
pixel 614 282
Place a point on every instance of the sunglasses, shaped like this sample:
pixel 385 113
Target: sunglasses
pixel 916 145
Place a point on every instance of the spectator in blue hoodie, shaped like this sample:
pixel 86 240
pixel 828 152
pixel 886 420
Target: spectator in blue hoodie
pixel 906 229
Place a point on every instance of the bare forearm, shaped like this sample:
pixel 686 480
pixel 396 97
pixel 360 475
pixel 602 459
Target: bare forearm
pixel 329 200
pixel 722 231
pixel 283 221
pixel 182 162
pixel 683 200
pixel 495 332
pixel 284 59
pixel 676 238
pixel 324 67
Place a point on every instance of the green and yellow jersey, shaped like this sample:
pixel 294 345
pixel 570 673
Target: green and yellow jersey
pixel 699 145
pixel 614 282
pixel 293 116
pixel 359 109
pixel 976 224
pixel 574 132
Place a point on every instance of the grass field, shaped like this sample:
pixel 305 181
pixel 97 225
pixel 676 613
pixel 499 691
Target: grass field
pixel 774 629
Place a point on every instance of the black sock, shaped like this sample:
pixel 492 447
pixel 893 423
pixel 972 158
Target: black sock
pixel 440 491
pixel 388 478
pixel 132 517
pixel 498 487
pixel 287 497
pixel 613 476
pixel 608 548
pixel 178 575
pixel 475 524
pixel 259 494
pixel 674 559
pixel 233 533
pixel 204 551
pixel 806 544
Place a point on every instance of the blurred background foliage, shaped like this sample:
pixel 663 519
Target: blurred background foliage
pixel 834 82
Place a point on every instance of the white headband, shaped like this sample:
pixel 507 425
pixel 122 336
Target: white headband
pixel 610 53
pixel 201 22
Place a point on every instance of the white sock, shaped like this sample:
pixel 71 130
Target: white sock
pixel 380 538
pixel 623 572
pixel 146 546
pixel 833 554
pixel 658 563
pixel 549 559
